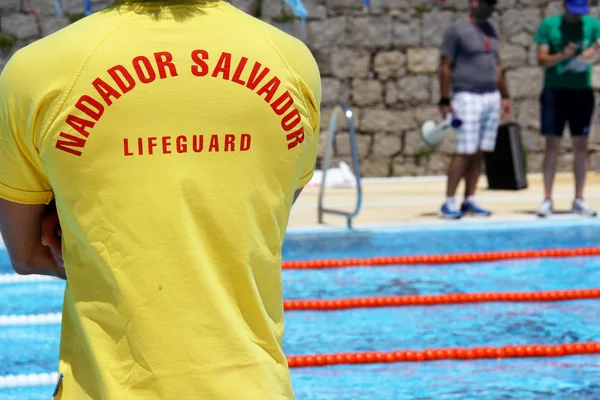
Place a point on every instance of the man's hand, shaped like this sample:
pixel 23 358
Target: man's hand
pixel 506 108
pixel 52 234
pixel 588 53
pixel 569 50
pixel 445 110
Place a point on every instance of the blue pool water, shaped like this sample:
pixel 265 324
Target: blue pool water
pixel 33 349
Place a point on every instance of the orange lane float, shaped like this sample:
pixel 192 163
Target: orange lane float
pixel 458 353
pixel 450 298
pixel 441 258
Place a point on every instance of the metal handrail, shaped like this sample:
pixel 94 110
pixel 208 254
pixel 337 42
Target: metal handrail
pixel 355 163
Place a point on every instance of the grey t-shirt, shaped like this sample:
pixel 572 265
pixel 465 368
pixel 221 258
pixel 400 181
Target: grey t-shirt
pixel 474 67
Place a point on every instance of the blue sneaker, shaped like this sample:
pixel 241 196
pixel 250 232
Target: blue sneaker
pixel 450 212
pixel 471 207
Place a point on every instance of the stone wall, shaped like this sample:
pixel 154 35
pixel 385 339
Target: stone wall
pixel 384 65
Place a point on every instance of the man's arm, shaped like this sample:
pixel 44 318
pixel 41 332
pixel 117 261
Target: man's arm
pixel 297 194
pixel 503 88
pixel 445 76
pixel 547 60
pixel 21 229
pixel 448 51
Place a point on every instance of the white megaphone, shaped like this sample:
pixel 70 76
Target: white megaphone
pixel 433 133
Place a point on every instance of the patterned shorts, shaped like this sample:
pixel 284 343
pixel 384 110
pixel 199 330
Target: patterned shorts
pixel 480 116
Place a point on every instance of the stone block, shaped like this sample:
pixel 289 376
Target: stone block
pixel 389 64
pixel 406 32
pixel 528 114
pixel 423 60
pixel 524 39
pixel 323 59
pixel 326 34
pixel 379 120
pixel 363 144
pixel 520 20
pixel 534 162
pixel 553 8
pixel 513 55
pixel 414 89
pixel 51 25
pixel 334 91
pixel 21 26
pixel 435 24
pixel 373 32
pixel 389 6
pixel 596 76
pixel 376 167
pixel 532 56
pixel 386 145
pixel 391 93
pixel 347 63
pixel 272 8
pixel 532 3
pixel 426 113
pixel 505 5
pixel 366 92
pixel 524 82
pixel 316 9
pixel 435 89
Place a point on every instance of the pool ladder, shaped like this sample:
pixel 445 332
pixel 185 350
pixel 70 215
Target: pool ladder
pixel 347 112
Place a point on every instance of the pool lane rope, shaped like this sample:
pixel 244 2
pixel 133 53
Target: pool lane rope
pixel 440 258
pixel 24 380
pixel 437 299
pixel 14 278
pixel 373 357
pixel 369 302
pixel 454 353
pixel 30 319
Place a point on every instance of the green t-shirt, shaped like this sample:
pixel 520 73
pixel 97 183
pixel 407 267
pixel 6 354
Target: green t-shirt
pixel 556 32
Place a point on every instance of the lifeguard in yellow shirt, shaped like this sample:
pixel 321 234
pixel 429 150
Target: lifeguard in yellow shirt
pixel 173 138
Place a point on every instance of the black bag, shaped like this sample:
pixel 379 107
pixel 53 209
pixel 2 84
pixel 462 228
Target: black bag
pixel 505 167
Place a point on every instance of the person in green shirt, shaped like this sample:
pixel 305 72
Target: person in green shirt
pixel 567 45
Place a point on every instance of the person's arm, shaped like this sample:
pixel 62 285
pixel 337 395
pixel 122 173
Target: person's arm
pixel 297 194
pixel 447 51
pixel 21 229
pixel 503 88
pixel 547 60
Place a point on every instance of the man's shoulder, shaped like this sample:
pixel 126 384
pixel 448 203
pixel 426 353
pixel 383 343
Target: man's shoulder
pixel 590 19
pixel 284 43
pixel 60 54
pixel 553 20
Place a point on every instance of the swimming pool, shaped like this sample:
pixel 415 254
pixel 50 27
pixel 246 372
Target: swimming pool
pixel 29 349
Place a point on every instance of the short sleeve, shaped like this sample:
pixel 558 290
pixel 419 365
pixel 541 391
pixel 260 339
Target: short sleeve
pixel 596 29
pixel 449 42
pixel 309 78
pixel 542 35
pixel 22 179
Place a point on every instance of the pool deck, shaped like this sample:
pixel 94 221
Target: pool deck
pixel 400 201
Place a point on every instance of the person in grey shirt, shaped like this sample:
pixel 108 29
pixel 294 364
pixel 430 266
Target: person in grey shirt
pixel 470 66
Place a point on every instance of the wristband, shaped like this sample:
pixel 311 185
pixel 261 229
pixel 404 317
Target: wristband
pixel 444 102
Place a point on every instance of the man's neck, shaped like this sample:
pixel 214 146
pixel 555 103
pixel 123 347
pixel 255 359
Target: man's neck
pixel 477 20
pixel 571 18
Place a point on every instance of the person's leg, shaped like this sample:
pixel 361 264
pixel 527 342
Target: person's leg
pixel 580 146
pixel 489 117
pixel 580 122
pixel 550 161
pixel 553 119
pixel 465 107
pixel 472 174
pixel 456 171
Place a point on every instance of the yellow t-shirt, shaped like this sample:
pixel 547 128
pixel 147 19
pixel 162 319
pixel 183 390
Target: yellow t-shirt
pixel 173 144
